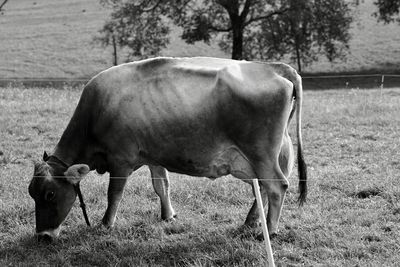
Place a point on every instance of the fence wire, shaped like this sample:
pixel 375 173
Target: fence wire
pixel 351 81
pixel 180 177
pixel 313 82
pixel 176 176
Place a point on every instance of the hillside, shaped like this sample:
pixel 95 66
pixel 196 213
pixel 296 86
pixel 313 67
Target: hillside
pixel 44 38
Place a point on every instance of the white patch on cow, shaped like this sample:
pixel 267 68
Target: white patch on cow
pixel 76 173
pixel 51 232
pixel 236 72
pixel 48 178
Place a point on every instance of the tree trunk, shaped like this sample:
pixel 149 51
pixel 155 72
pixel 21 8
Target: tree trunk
pixel 298 56
pixel 237 45
pixel 114 43
pixel 237 33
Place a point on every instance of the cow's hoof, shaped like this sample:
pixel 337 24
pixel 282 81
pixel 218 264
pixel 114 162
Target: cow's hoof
pixel 171 219
pixel 104 226
pixel 260 237
pixel 47 239
pixel 245 232
pixel 253 224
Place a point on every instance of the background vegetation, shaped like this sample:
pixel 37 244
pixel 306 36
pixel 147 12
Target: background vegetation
pixel 352 217
pixel 302 30
pixel 43 38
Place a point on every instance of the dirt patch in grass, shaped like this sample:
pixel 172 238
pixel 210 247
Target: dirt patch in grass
pixel 368 192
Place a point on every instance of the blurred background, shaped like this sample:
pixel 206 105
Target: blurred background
pixel 75 39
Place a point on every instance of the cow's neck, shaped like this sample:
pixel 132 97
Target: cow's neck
pixel 72 147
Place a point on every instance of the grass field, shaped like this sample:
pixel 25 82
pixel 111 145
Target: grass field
pixel 48 39
pixel 352 217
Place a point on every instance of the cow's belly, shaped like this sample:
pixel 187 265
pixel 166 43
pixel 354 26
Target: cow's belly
pixel 212 162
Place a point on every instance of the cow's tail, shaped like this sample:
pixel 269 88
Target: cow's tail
pixel 302 167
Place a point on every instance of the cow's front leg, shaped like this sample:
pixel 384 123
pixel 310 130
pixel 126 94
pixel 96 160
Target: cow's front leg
pixel 253 217
pixel 160 180
pixel 115 192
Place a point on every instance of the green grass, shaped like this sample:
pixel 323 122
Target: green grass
pixel 47 39
pixel 351 142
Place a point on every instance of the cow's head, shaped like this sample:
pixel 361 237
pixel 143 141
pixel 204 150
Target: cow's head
pixel 52 188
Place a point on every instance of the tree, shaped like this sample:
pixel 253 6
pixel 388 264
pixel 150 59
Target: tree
pixel 2 4
pixel 307 30
pixel 249 29
pixel 133 26
pixel 142 25
pixel 388 10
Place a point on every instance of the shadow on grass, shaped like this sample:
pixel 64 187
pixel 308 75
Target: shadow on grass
pixel 26 250
pixel 140 245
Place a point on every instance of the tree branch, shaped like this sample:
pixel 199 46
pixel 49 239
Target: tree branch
pixel 246 9
pixel 149 9
pixel 217 29
pixel 224 3
pixel 229 5
pixel 278 12
pixel 1 5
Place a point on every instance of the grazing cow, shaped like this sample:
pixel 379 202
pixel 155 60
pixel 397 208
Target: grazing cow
pixel 198 116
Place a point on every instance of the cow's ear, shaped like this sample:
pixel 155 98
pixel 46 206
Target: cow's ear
pixel 76 173
pixel 45 156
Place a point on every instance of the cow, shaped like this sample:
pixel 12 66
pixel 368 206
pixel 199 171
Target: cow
pixel 200 116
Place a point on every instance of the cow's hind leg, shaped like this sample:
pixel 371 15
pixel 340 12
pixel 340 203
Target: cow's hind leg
pixel 273 186
pixel 160 182
pixel 114 195
pixel 286 155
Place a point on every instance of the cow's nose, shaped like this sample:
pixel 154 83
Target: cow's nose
pixel 44 237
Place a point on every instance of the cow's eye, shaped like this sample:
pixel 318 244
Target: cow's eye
pixel 49 196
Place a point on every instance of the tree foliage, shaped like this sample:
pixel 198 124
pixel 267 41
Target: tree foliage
pixel 388 10
pixel 132 26
pixel 249 29
pixel 306 30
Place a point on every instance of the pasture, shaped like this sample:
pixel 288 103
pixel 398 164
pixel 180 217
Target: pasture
pixel 352 216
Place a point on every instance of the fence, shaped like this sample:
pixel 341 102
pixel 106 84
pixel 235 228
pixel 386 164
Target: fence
pixel 351 81
pixel 42 82
pixel 310 82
